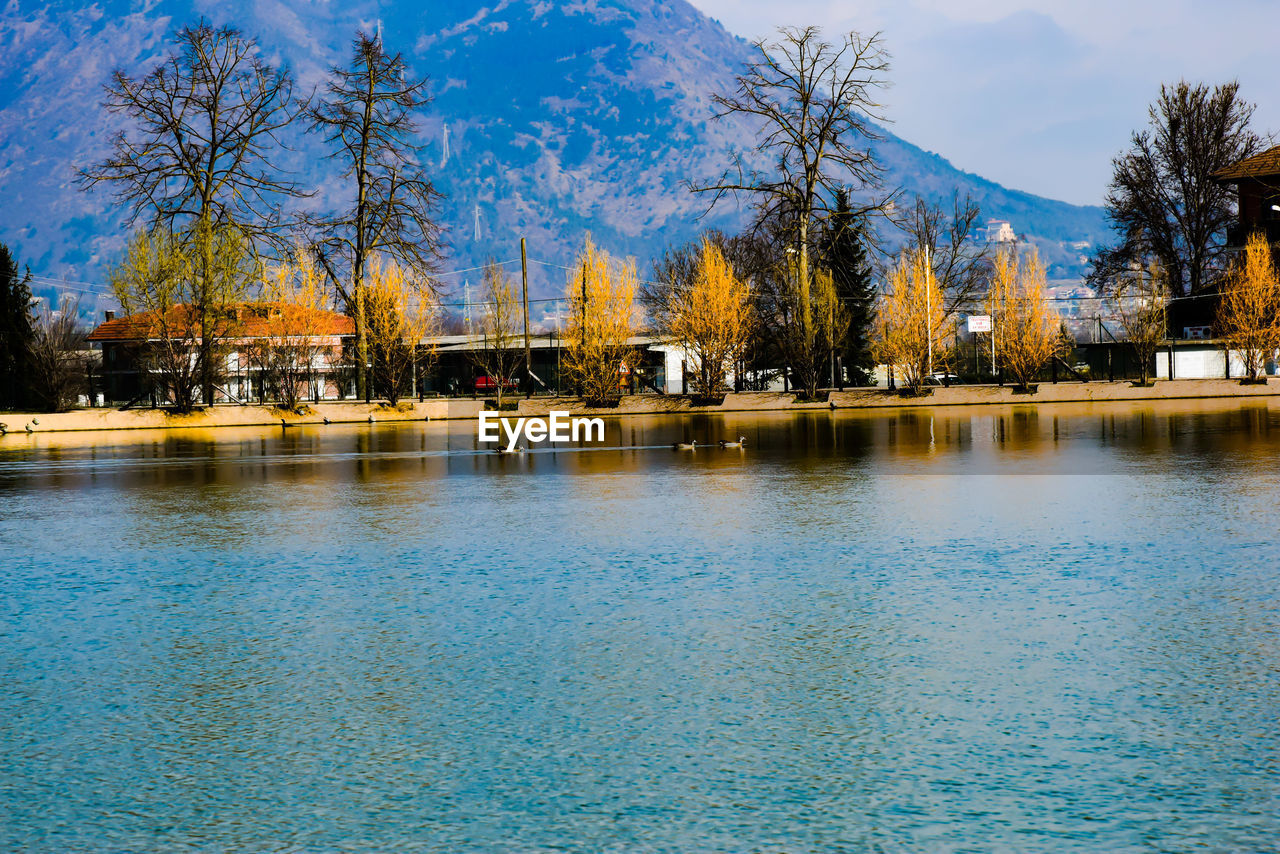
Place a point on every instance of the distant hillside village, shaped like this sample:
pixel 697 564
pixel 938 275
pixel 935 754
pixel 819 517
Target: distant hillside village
pixel 228 298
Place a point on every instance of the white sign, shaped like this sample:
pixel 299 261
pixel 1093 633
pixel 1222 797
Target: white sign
pixel 979 322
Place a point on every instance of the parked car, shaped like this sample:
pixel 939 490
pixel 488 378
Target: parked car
pixel 486 384
pixel 942 379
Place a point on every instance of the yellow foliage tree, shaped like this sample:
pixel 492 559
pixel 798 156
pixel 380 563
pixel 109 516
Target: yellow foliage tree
pixel 910 318
pixel 399 313
pixel 187 290
pixel 601 320
pixel 289 344
pixel 1027 327
pixel 500 326
pixel 1249 319
pixel 711 317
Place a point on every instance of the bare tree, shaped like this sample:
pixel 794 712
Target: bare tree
pixel 1142 298
pixel 1164 201
pixel 677 268
pixel 367 116
pixel 58 357
pixel 501 327
pixel 197 159
pixel 815 103
pixel 960 264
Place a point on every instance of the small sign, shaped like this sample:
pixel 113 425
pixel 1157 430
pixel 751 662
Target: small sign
pixel 1197 333
pixel 979 322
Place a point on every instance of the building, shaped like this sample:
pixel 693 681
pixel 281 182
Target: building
pixel 131 348
pixel 131 371
pixel 1257 183
pixel 1000 231
pixel 657 365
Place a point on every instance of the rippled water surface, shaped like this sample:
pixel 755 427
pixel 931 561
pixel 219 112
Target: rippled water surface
pixel 965 630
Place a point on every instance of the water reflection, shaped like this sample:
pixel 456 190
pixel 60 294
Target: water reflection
pixel 1057 632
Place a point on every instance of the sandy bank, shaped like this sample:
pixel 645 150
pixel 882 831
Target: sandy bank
pixel 235 416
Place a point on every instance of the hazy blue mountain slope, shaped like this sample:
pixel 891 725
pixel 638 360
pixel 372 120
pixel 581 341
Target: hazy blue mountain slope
pixel 559 118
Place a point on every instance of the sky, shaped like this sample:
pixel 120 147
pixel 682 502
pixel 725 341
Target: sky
pixel 1040 96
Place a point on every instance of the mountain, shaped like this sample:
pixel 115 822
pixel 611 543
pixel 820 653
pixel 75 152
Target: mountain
pixel 549 120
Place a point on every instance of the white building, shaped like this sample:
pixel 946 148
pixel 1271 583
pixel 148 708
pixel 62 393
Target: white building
pixel 1000 231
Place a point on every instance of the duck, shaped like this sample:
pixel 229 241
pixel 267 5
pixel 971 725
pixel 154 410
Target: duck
pixel 35 421
pixel 372 420
pixel 4 428
pixel 29 429
pixel 516 450
pixel 326 419
pixel 741 443
pixel 684 446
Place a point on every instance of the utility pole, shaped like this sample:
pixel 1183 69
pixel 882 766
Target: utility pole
pixel 831 333
pixel 928 306
pixel 524 287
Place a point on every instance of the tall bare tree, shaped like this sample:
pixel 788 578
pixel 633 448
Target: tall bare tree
pixel 1163 200
pixel 815 103
pixel 197 159
pixel 367 115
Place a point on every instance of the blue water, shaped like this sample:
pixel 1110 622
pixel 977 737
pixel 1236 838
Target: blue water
pixel 975 630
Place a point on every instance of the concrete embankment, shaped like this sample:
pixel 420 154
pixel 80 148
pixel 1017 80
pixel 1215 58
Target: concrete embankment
pixel 1073 392
pixel 648 404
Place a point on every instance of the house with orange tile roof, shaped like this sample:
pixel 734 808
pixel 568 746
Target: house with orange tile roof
pixel 256 332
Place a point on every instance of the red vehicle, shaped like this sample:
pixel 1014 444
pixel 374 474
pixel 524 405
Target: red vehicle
pixel 486 384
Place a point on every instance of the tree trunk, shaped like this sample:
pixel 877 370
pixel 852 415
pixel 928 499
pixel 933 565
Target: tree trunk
pixel 362 344
pixel 806 313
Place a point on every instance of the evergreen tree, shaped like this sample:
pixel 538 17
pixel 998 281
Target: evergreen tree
pixel 16 332
pixel 844 248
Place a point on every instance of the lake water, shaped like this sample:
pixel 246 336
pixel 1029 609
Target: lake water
pixel 957 630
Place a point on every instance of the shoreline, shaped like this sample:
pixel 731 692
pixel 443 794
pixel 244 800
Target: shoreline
pixel 881 399
pixel 344 412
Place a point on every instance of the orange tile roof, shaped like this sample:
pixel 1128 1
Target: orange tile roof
pixel 251 324
pixel 1264 165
